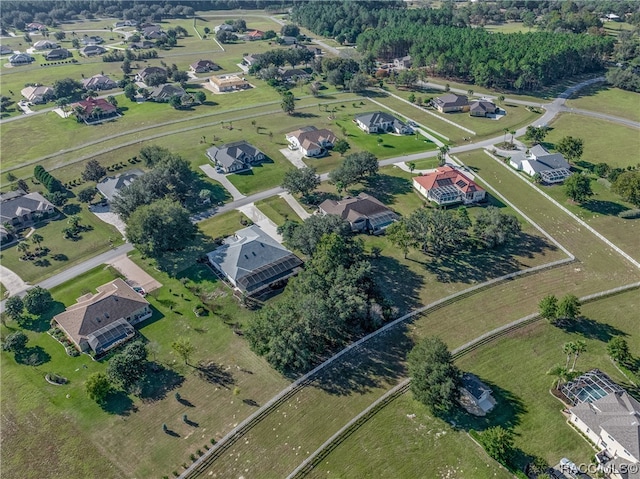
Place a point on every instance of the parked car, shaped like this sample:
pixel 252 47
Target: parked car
pixel 139 290
pixel 567 466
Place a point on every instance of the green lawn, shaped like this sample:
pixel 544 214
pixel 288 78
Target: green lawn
pixel 606 99
pixel 277 210
pixel 63 253
pixel 223 225
pixel 3 290
pixel 508 27
pixel 426 164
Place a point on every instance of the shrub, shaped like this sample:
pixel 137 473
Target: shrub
pixel 629 214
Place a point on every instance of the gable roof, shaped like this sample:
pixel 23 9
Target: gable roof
pixel 204 64
pixel 44 45
pixel 166 91
pixel 474 386
pixel 447 176
pixel 5 50
pixel 451 99
pixel 483 105
pixel 111 186
pixel 292 73
pixel 229 153
pixel 98 81
pixel 253 259
pixel 18 203
pixel 32 92
pixel 91 104
pixel 352 209
pixel 310 136
pixel 375 118
pixel 255 34
pixel 93 50
pixel 21 58
pixel 92 312
pixel 58 53
pixel 145 72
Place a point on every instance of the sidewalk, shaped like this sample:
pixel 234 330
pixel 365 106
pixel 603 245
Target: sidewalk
pixel 295 206
pixel 222 179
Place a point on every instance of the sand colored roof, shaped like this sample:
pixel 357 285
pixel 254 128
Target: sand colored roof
pixel 228 81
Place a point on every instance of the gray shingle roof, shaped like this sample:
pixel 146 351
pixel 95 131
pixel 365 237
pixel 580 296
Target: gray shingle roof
pixel 351 209
pixel 109 187
pixel 474 386
pixel 376 118
pixel 226 155
pixel 15 204
pixel 166 91
pixel 451 99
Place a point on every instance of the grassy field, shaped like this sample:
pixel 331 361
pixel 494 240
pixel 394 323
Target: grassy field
pixel 605 99
pixel 277 210
pixel 397 444
pixel 63 253
pixel 508 27
pixel 223 225
pixel 604 141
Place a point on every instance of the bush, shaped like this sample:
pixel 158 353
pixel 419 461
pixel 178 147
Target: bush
pixel 629 214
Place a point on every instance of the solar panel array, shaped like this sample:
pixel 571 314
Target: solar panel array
pixel 106 336
pixel 589 387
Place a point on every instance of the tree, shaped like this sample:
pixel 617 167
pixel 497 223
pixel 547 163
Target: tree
pixel 290 30
pixel 37 300
pixel 358 83
pixel 269 35
pixel 24 249
pixel 161 226
pixel 535 134
pixel 36 239
pixel 355 168
pixel 437 231
pixel 224 36
pixel 181 77
pixel 58 198
pixel 580 347
pixel 495 228
pixel 561 374
pixel 498 442
pixel 153 155
pixel 130 91
pixel 301 181
pixel 617 348
pixel 569 307
pixel 59 35
pixel 434 377
pixel 200 97
pixel 15 342
pixel 86 195
pixel 14 307
pixel 306 236
pixel 548 307
pixel 112 100
pixel 568 348
pixel 412 166
pixel 207 30
pixel 288 103
pixel 184 348
pixel 627 185
pixel 93 171
pixel 128 366
pixel 97 387
pixel 66 88
pixel 175 102
pixel 341 146
pixel 578 188
pixel 156 79
pixel 412 98
pixel 442 154
pixel 572 148
pixel 399 235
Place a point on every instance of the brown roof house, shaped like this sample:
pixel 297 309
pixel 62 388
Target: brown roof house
pixel 451 102
pixel 101 321
pixel 202 66
pixel 482 108
pixel 364 213
pixel 311 141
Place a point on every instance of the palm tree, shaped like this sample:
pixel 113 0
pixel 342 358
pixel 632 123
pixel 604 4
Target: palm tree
pixel 97 112
pixel 442 154
pixel 568 349
pixel 580 347
pixel 561 374
pixel 36 239
pixel 23 248
pixel 506 130
pixel 512 132
pixel 73 221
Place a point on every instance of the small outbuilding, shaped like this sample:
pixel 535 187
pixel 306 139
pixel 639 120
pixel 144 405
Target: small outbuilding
pixel 475 396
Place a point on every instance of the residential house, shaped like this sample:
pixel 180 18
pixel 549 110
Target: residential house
pixel 612 17
pixel 57 54
pixel 91 50
pixel 126 23
pixel 45 45
pixel 451 103
pixel 142 45
pixel 447 186
pixel 99 322
pixel 5 50
pixel 482 108
pixel 227 83
pixel 403 62
pixel 21 209
pixel 146 72
pixel 35 27
pixel 381 122
pixel 292 75
pixel 99 82
pixel 94 108
pixel 163 93
pixel 287 40
pixel 38 94
pixel 92 40
pixel 552 167
pixel 224 27
pixel 153 32
pixel 312 48
pixel 254 35
pixel 475 395
pixel 252 261
pixel 611 420
pixel 236 156
pixel 251 59
pixel 203 66
pixel 110 187
pixel 364 213
pixel 20 59
pixel 311 141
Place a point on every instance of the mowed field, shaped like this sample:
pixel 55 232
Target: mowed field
pixel 606 99
pixel 403 440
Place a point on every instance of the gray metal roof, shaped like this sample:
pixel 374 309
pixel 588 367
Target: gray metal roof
pixel 109 187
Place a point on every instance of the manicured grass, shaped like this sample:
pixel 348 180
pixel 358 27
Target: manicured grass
pixel 68 293
pixel 606 99
pixel 223 225
pixel 3 290
pixel 277 210
pixel 508 27
pixel 426 164
pixel 604 141
pixel 63 253
pixel 261 177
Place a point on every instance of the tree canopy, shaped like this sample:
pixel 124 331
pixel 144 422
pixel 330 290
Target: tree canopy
pixel 495 228
pixel 355 168
pixel 127 367
pixel 306 236
pixel 578 188
pixel 301 181
pixel 37 300
pixel 627 185
pixel 97 387
pixel 93 171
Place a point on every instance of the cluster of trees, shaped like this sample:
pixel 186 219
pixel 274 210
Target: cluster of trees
pixel 50 183
pixel 626 74
pixel 578 188
pixel 305 237
pixel 120 55
pixel 302 181
pixel 93 171
pixel 627 185
pixel 355 168
pixel 37 301
pixel 67 88
pixel 224 36
pixel 568 308
pixel 303 326
pixel 280 57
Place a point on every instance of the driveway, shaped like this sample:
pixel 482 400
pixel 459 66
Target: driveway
pixel 105 214
pixel 135 275
pixel 11 281
pixel 258 217
pixel 295 206
pixel 222 179
pixel 294 156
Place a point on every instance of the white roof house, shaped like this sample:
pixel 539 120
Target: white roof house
pixel 552 167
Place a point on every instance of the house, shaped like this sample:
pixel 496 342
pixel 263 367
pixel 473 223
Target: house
pixel 126 23
pixel 447 186
pixel 146 72
pixel 142 45
pixel 35 27
pixel 45 45
pixel 451 102
pixel 226 83
pixel 403 62
pixel 287 40
pixel 94 107
pixel 381 122
pixel 292 75
pixel 20 59
pixel 99 322
pixel 92 40
pixel 99 82
pixel 90 50
pixel 57 54
pixel 251 59
pixel 252 261
pixel 20 209
pixel 610 418
pixel 552 167
pixel 203 66
pixel 110 187
pixel 5 50
pixel 254 35
pixel 236 156
pixel 311 141
pixel 612 17
pixel 225 27
pixel 475 396
pixel 153 32
pixel 312 48
pixel 482 108
pixel 163 93
pixel 364 213
pixel 38 94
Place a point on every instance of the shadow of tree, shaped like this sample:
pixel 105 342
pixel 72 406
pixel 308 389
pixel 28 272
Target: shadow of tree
pixel 610 208
pixel 299 114
pixel 214 373
pixel 119 403
pixel 34 356
pixel 71 209
pixel 41 323
pixel 591 329
pixel 157 382
pixel 400 285
pixel 386 188
pixel 250 402
pixel 186 402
